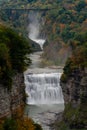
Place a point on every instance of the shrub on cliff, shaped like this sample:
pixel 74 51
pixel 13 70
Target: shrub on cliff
pixel 9 124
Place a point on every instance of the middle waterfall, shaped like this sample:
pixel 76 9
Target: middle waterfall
pixel 43 88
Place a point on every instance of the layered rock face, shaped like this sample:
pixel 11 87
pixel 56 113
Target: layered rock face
pixel 75 89
pixel 11 100
pixel 75 96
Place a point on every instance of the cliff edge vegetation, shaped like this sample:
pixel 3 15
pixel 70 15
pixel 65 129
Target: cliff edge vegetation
pixel 13 51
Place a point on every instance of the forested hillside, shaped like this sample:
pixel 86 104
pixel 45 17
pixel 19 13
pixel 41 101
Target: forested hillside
pixel 67 25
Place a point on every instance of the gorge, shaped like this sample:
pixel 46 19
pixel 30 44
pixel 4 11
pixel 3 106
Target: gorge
pixel 45 98
pixel 56 98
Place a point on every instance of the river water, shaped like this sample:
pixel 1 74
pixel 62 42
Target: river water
pixel 45 98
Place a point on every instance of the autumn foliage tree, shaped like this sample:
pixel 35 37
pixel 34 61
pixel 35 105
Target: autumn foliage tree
pixel 78 60
pixel 19 121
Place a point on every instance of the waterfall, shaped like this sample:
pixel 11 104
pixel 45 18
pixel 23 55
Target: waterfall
pixel 35 28
pixel 43 88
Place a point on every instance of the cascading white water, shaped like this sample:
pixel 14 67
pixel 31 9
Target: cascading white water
pixel 39 41
pixel 43 88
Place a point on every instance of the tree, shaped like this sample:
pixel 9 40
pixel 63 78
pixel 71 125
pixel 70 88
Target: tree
pixel 80 5
pixel 5 65
pixel 10 124
pixel 13 54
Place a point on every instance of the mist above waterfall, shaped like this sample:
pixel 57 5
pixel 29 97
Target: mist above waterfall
pixel 35 28
pixel 34 25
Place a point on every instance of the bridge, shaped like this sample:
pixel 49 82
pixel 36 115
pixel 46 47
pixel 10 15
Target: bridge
pixel 27 9
pixel 13 12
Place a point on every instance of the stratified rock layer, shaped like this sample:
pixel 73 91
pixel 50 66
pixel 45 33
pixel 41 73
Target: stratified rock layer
pixel 76 87
pixel 13 99
pixel 75 96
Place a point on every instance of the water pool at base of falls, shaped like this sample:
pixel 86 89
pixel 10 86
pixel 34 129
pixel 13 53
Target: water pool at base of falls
pixel 44 114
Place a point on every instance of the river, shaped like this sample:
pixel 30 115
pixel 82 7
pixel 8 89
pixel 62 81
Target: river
pixel 45 98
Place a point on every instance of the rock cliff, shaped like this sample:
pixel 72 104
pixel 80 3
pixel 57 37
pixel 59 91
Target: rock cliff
pixel 11 100
pixel 74 89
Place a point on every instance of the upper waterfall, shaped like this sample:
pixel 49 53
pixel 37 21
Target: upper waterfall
pixel 35 28
pixel 39 41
